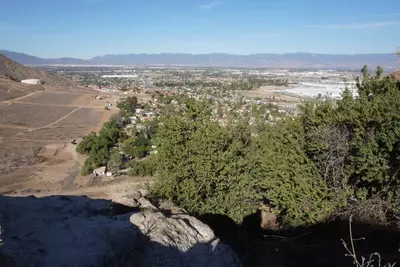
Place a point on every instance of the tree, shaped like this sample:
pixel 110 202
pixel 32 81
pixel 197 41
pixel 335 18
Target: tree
pixel 129 105
pixel 116 161
pixel 209 168
pixel 137 146
pixel 367 126
pixel 88 141
pixel 286 178
pixel 202 166
pixel 98 147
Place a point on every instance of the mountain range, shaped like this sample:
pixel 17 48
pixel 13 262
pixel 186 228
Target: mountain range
pixel 290 60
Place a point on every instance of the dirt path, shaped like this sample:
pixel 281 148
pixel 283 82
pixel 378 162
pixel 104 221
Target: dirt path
pixel 57 121
pixel 55 169
pixel 14 126
pixel 27 96
pixel 7 104
pixel 59 105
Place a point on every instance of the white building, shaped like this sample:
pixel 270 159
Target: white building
pixel 100 171
pixel 31 81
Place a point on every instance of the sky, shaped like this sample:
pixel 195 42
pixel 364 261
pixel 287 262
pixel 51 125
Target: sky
pixel 88 28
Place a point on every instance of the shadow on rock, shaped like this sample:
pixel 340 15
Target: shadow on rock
pixel 77 231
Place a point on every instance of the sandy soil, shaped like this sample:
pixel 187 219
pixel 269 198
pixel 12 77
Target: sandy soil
pixel 36 154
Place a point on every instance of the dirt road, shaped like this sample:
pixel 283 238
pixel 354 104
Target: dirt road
pixel 41 160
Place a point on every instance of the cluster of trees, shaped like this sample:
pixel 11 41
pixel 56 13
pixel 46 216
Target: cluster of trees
pixel 307 168
pixel 128 106
pixel 112 146
pixel 249 83
pixel 190 83
pixel 253 83
pixel 100 148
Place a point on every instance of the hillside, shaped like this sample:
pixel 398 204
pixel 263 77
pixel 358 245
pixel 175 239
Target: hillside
pixel 11 73
pixel 12 70
pixel 290 60
pixel 32 60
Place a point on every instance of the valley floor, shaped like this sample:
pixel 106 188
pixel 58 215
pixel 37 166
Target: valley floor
pixel 36 153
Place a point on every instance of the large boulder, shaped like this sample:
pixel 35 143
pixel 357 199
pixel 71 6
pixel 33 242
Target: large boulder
pixel 181 240
pixel 78 231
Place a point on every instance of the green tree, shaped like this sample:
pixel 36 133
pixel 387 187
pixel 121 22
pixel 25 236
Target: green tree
pixel 286 178
pixel 115 162
pixel 88 141
pixel 129 105
pixel 367 126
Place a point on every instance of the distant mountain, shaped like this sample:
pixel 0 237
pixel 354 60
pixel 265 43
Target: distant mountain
pixel 291 60
pixel 32 60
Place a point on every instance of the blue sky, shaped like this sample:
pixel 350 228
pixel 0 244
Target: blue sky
pixel 87 28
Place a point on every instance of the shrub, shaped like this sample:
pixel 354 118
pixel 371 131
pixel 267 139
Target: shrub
pixel 208 168
pixel 142 168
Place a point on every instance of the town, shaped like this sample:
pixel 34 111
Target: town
pixel 141 94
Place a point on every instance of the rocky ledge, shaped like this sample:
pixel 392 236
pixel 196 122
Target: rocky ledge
pixel 77 231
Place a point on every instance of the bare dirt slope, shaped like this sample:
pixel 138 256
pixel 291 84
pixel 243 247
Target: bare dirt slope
pixel 17 72
pixel 37 125
pixel 11 73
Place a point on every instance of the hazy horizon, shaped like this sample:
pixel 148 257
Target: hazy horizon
pixel 211 53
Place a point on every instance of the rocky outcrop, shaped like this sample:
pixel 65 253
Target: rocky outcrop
pixel 78 231
pixel 196 241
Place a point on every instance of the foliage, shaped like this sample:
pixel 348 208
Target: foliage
pixel 141 168
pixel 203 166
pixel 98 147
pixel 287 178
pixel 356 141
pixel 306 168
pixel 115 162
pixel 129 105
pixel 209 168
pixel 137 146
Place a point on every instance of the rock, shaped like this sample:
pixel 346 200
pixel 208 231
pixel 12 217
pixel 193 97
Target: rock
pixel 146 204
pixel 144 192
pixel 195 241
pixel 126 200
pixel 136 195
pixel 78 231
pixel 168 205
pixel 269 218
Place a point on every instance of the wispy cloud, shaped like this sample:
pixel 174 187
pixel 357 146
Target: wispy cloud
pixel 210 5
pixel 369 26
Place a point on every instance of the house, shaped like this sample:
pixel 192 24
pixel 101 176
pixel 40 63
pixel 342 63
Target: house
pixel 31 81
pixel 100 171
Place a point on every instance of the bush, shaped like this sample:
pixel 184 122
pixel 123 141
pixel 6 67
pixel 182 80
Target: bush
pixel 208 168
pixel 142 168
pixel 355 143
pixel 287 178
